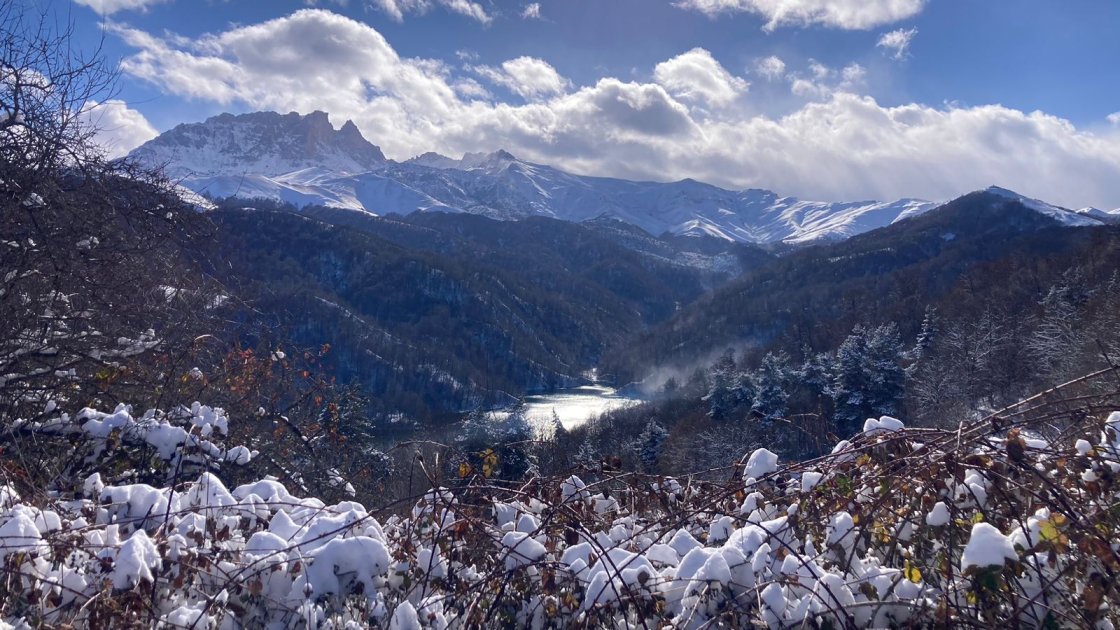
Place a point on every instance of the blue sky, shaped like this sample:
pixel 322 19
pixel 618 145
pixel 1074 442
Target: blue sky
pixel 816 98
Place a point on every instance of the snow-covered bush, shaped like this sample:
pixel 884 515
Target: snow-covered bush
pixel 988 523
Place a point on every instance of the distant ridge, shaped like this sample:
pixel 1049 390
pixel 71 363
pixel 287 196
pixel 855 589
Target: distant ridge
pixel 303 160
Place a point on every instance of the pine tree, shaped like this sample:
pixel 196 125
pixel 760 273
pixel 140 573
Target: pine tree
pixel 771 394
pixel 868 377
pixel 559 433
pixel 728 388
pixel 931 326
pixel 587 456
pixel 1057 336
pixel 650 445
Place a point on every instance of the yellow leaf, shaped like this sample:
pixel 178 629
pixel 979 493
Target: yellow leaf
pixel 464 470
pixel 489 462
pixel 1059 519
pixel 1049 531
pixel 911 572
pixel 977 518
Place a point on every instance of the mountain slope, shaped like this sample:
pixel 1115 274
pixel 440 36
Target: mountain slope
pixel 438 313
pixel 302 160
pixel 811 298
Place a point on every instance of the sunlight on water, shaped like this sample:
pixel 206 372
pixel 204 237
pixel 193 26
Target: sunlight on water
pixel 575 406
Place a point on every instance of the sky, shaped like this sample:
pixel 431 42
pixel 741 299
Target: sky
pixel 821 99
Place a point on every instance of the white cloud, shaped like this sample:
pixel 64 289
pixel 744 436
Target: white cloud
pixel 532 11
pixel 469 88
pixel 897 42
pixel 821 82
pixel 109 7
pixel 841 146
pixel 853 75
pixel 770 68
pixel 1114 118
pixel 696 77
pixel 529 77
pixel 819 70
pixel 119 128
pixel 396 9
pixel 845 14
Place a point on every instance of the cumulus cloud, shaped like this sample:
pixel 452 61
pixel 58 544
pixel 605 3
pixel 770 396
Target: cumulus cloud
pixel 839 145
pixel 396 9
pixel 696 77
pixel 528 77
pixel 897 42
pixel 845 14
pixel 119 128
pixel 770 68
pixel 109 7
pixel 1114 118
pixel 532 11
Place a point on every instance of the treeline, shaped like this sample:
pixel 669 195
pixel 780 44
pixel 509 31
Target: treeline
pixel 1008 328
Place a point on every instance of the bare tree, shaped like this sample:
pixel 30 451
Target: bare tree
pixel 45 84
pixel 92 266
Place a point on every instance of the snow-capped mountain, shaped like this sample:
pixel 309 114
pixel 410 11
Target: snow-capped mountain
pixel 1104 216
pixel 304 160
pixel 1061 215
pixel 261 144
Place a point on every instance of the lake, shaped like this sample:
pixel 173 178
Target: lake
pixel 575 406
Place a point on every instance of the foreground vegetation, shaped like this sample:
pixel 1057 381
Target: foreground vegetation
pixel 1008 520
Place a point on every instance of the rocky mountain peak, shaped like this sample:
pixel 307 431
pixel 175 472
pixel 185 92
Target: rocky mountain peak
pixel 266 143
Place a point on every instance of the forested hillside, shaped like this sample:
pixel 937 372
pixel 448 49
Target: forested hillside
pixel 948 316
pixel 949 258
pixel 440 314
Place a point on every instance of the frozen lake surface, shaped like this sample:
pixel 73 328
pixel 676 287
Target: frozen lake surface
pixel 575 406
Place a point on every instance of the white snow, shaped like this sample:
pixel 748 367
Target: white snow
pixel 135 561
pixel 884 424
pixel 761 463
pixel 522 549
pixel 405 618
pixel 1062 215
pixel 938 515
pixel 987 547
pixel 810 479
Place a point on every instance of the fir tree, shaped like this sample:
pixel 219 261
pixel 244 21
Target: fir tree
pixel 650 445
pixel 868 377
pixel 771 394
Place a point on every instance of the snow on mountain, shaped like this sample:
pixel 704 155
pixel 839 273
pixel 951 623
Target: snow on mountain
pixel 261 143
pixel 1061 215
pixel 1104 216
pixel 304 160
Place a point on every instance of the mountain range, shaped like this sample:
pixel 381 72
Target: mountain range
pixel 303 160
